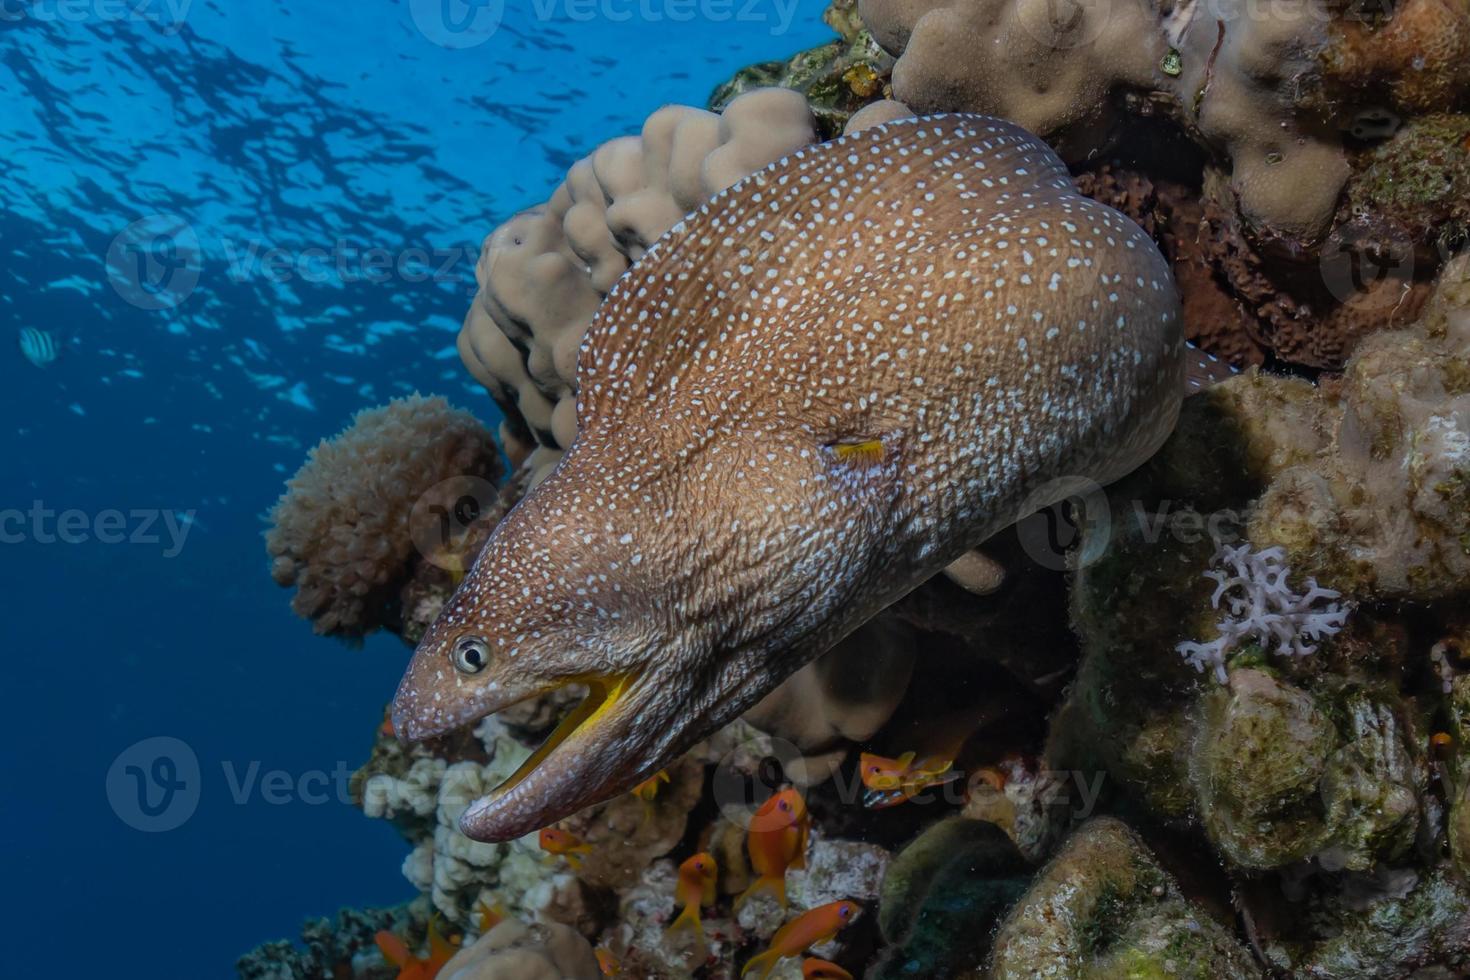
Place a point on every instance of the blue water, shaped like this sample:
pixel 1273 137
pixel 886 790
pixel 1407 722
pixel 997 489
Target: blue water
pixel 238 129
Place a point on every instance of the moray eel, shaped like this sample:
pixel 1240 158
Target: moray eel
pixel 814 393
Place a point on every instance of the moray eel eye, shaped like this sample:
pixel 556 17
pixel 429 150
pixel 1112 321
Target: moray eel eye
pixel 471 655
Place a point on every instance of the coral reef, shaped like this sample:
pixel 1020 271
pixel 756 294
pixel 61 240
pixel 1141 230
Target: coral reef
pixel 390 499
pixel 1210 721
pixel 943 895
pixel 1320 763
pixel 1311 157
pixel 424 790
pixel 1265 87
pixel 334 947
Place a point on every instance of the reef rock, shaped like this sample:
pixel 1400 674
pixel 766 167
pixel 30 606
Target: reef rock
pixel 1104 907
pixel 1308 753
pixel 515 951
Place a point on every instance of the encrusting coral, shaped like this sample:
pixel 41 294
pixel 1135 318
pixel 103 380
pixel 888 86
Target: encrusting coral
pixel 837 79
pixel 942 896
pixel 424 793
pixel 367 510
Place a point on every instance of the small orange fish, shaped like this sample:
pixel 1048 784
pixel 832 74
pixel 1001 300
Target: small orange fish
pixel 488 916
pixel 777 841
pixel 607 962
pixel 412 967
pixel 566 844
pixel 648 789
pixel 696 887
pixel 893 781
pixel 815 969
pixel 386 728
pixel 808 929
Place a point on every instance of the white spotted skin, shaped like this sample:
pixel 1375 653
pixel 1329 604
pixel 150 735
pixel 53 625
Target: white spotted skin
pixel 934 284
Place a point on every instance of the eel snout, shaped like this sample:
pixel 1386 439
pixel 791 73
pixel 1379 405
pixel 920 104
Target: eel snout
pixel 624 731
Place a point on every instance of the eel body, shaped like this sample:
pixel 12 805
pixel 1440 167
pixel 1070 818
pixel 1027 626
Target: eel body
pixel 813 394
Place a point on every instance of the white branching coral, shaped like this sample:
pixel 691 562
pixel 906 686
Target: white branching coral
pixel 458 873
pixel 1260 606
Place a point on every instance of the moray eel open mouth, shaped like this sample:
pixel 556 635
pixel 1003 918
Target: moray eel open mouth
pixel 602 697
pixel 592 755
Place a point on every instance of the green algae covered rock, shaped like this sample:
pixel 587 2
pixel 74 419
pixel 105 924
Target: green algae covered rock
pixel 1306 716
pixel 838 78
pixel 1263 751
pixel 1418 180
pixel 1104 907
pixel 942 896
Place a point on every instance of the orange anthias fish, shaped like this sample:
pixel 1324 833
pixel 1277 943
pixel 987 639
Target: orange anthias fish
pixel 696 887
pixel 777 841
pixel 607 962
pixel 411 967
pixel 566 844
pixel 892 781
pixel 815 969
pixel 808 929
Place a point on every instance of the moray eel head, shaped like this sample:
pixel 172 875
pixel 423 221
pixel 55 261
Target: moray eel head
pixel 547 607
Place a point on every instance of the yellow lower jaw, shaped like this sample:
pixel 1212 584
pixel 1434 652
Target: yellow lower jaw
pixel 602 694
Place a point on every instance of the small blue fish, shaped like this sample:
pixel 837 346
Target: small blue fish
pixel 38 346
